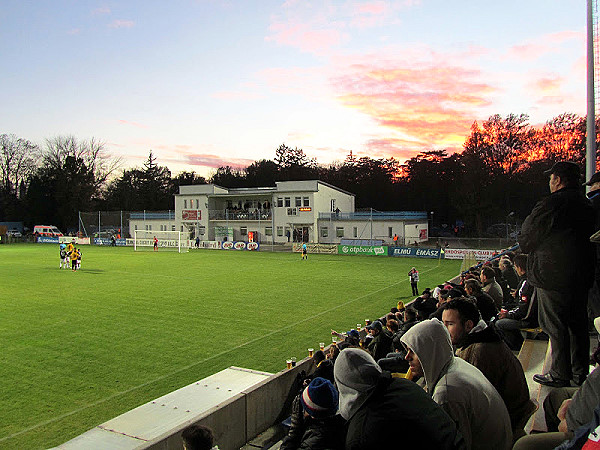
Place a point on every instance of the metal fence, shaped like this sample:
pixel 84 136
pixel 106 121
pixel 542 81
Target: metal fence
pixel 115 223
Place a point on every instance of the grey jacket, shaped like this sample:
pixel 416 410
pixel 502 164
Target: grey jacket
pixel 460 388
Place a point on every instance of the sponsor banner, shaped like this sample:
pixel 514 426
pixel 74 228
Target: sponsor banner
pixel 190 214
pixel 210 244
pixel 377 250
pixel 47 240
pixel 331 249
pixel 414 252
pixel 459 253
pixel 150 242
pixel 79 241
pixel 240 245
pixel 107 241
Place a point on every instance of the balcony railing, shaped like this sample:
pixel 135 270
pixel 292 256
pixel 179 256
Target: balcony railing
pixel 228 214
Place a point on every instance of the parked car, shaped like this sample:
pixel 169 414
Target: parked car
pixel 14 233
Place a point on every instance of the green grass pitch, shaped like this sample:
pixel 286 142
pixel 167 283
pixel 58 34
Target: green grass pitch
pixel 80 348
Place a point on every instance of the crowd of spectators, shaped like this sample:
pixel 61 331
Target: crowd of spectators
pixel 442 372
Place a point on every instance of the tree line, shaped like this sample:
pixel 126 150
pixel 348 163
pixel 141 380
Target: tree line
pixel 499 174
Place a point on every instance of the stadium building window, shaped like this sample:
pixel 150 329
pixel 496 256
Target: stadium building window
pixel 184 204
pixel 339 232
pixel 298 201
pixel 324 232
pixel 269 231
pixel 197 204
pixel 243 231
pixel 288 202
pixel 202 231
pixel 292 211
pixel 148 227
pixel 182 228
pixel 306 201
pixel 390 232
pixel 135 227
pixel 279 231
pixel 280 202
pixel 173 228
pixel 354 231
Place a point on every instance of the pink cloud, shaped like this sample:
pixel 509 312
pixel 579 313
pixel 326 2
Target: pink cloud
pixel 133 124
pixel 307 39
pixel 121 24
pixel 425 105
pixel 214 161
pixel 544 44
pixel 548 85
pixel 101 11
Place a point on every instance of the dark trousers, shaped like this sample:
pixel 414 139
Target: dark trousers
pixel 511 333
pixel 563 317
pixel 415 290
pixel 552 403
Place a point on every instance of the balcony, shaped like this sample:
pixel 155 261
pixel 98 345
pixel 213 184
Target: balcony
pixel 228 214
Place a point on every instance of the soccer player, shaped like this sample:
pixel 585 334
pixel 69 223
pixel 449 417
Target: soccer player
pixel 63 256
pixel 304 251
pixel 155 244
pixel 74 259
pixel 78 258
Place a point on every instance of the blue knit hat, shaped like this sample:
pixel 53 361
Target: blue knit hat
pixel 320 398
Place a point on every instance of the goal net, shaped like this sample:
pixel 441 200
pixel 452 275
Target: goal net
pixel 468 261
pixel 166 240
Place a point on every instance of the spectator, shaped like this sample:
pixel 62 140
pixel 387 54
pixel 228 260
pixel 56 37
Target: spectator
pixel 491 286
pixel 485 303
pixel 198 437
pixel 478 344
pixel 381 343
pixel 508 273
pixel 425 305
pixel 381 409
pixel 413 277
pixel 442 300
pixel 324 366
pixel 594 295
pixel 458 387
pixel 526 312
pixel 314 420
pixel 561 267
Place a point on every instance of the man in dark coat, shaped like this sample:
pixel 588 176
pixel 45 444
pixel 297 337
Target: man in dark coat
pixel 594 296
pixel 381 409
pixel 561 267
pixel 381 344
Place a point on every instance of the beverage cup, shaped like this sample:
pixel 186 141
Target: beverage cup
pixel 294 362
pixel 289 363
pixel 311 352
pixel 334 339
pixel 322 346
pixel 358 327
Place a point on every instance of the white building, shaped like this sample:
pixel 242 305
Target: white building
pixel 292 211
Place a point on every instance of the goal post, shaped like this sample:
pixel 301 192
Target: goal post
pixel 167 240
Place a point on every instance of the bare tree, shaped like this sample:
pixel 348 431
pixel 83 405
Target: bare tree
pixel 18 158
pixel 92 153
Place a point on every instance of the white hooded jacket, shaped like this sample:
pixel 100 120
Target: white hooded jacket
pixel 460 388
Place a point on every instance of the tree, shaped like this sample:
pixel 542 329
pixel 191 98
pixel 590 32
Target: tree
pixel 17 161
pixel 293 164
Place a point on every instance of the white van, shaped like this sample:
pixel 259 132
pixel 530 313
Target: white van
pixel 46 230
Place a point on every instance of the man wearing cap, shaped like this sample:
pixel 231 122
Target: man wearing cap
pixel 560 266
pixel 314 420
pixel 594 296
pixel 381 344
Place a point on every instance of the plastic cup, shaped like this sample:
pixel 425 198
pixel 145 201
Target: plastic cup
pixel 322 345
pixel 358 327
pixel 334 339
pixel 288 363
pixel 311 352
pixel 294 362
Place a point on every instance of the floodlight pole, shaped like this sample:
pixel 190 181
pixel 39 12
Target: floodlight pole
pixel 591 103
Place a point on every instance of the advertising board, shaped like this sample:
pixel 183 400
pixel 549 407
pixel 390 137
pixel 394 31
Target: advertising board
pixel 376 250
pixel 414 252
pixel 459 253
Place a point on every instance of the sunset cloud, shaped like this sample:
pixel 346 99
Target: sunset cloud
pixel 424 105
pixel 214 161
pixel 542 45
pixel 548 85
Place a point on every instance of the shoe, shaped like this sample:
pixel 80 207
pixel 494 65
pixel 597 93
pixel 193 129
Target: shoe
pixel 550 381
pixel 579 379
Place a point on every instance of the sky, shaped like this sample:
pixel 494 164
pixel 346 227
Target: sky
pixel 209 83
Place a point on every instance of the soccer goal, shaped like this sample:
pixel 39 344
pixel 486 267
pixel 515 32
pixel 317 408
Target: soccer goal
pixel 166 240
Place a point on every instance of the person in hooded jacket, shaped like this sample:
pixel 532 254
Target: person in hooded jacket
pixel 381 409
pixel 480 345
pixel 458 387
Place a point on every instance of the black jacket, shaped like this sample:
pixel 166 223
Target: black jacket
pixel 399 409
pixel 526 309
pixel 556 235
pixel 381 345
pixel 486 306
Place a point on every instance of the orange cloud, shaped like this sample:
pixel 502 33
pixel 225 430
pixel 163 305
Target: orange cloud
pixel 425 106
pixel 214 161
pixel 548 85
